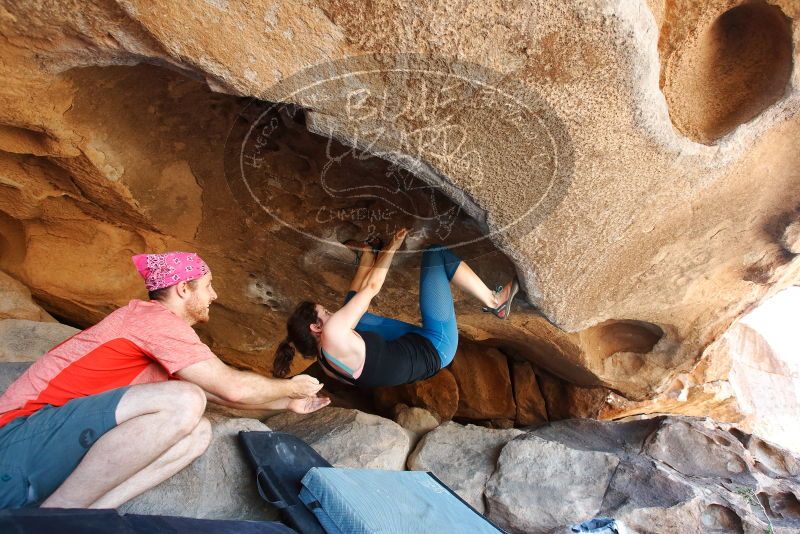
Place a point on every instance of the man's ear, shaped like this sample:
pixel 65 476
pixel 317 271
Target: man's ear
pixel 317 329
pixel 182 289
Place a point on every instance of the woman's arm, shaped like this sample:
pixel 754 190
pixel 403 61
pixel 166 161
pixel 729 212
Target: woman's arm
pixel 377 275
pixel 364 267
pixel 348 315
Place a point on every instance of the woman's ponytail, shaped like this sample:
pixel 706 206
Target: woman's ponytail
pixel 298 337
pixel 283 359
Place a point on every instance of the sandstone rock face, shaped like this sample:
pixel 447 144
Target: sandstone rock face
pixel 438 394
pixel 791 238
pixel 609 157
pixel 771 460
pixel 463 457
pixel 16 302
pixel 220 484
pixel 750 377
pixel 531 408
pixel 667 474
pixel 349 438
pixel 731 65
pixel 10 371
pixel 565 401
pixel 540 484
pixel 695 451
pixel 484 383
pixel 24 341
pixel 417 421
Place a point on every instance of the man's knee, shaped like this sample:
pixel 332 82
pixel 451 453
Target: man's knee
pixel 195 443
pixel 188 403
pixel 190 397
pixel 201 438
pixel 184 403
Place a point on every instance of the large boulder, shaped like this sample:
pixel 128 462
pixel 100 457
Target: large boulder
pixel 417 421
pixel 667 474
pixel 438 395
pixel 541 484
pixel 22 340
pixel 709 452
pixel 565 400
pixel 463 457
pixel 349 438
pixel 16 301
pixel 220 484
pixel 484 383
pixel 9 372
pixel 531 408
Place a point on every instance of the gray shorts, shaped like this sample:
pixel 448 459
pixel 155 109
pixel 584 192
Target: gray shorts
pixel 38 452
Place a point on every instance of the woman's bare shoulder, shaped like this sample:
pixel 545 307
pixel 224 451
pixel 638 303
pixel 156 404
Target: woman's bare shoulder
pixel 344 339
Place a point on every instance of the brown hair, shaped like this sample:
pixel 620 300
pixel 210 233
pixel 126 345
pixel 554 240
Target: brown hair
pixel 161 294
pixel 298 336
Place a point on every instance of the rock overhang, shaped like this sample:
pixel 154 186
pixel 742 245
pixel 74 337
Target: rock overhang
pixel 638 244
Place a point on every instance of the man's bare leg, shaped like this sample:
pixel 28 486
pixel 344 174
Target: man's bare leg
pixel 151 419
pixel 172 461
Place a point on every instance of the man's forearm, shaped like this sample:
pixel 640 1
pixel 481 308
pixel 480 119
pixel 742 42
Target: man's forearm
pixel 255 389
pixel 245 387
pixel 277 404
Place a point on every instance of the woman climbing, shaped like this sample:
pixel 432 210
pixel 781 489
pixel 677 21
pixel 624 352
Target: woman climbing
pixel 367 350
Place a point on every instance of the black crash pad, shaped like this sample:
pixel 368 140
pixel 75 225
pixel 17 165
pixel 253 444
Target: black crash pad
pixel 76 521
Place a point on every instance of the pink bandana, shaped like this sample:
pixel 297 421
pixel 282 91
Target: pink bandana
pixel 164 270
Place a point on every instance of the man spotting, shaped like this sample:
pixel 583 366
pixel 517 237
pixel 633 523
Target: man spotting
pixel 118 408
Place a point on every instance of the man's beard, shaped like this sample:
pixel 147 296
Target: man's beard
pixel 196 311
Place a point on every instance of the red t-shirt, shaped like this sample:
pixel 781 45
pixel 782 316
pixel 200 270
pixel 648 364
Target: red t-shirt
pixel 139 343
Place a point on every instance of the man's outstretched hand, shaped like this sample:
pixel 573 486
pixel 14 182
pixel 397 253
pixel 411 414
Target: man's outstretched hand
pixel 304 386
pixel 308 404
